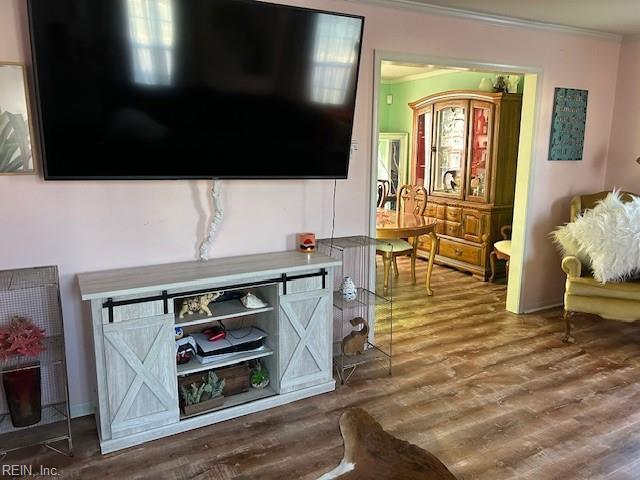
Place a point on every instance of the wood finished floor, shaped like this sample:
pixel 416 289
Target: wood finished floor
pixel 493 395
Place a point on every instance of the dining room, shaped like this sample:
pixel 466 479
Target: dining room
pixel 447 156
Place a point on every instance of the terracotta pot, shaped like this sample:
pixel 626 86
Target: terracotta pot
pixel 22 389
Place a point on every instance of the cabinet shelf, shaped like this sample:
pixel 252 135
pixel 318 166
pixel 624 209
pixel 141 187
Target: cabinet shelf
pixel 234 400
pixel 53 413
pixel 370 354
pixel 36 435
pixel 221 311
pixel 194 366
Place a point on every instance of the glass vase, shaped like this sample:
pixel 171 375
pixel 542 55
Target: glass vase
pixel 22 389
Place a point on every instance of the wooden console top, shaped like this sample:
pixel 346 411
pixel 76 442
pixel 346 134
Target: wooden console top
pixel 151 278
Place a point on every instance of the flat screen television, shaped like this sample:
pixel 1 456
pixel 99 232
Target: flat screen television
pixel 168 89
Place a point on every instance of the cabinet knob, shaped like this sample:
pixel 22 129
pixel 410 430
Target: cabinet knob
pixel 458 252
pixel 433 149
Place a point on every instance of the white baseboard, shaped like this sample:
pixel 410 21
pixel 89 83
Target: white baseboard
pixel 545 307
pixel 81 410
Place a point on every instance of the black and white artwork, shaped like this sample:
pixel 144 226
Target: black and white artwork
pixel 16 155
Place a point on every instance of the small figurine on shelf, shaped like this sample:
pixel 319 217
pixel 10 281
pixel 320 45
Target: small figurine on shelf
pixel 475 186
pixel 501 84
pixel 189 306
pixel 198 304
pixel 251 301
pixel 259 376
pixel 450 180
pixel 349 290
pixel 354 343
pixel 179 333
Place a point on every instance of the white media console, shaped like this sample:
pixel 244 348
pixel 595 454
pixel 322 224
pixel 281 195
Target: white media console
pixel 134 312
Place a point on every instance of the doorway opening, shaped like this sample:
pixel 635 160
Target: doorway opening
pixel 462 134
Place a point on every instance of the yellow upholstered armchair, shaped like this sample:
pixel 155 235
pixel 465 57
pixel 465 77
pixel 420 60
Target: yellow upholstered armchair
pixel 613 301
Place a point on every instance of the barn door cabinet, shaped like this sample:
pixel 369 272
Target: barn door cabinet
pixel 134 313
pixel 465 149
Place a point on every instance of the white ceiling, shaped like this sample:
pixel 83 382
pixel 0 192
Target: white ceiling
pixel 396 71
pixel 620 17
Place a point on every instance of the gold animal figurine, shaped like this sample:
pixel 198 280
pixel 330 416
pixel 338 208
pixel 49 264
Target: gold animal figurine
pixel 354 343
pixel 199 304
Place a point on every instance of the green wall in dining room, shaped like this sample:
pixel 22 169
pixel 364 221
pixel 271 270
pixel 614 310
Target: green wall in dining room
pixel 383 110
pixel 398 117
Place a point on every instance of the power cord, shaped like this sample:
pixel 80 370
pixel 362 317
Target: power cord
pixel 333 220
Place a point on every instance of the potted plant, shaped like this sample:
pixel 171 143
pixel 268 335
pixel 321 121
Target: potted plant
pixel 200 396
pixel 259 376
pixel 22 385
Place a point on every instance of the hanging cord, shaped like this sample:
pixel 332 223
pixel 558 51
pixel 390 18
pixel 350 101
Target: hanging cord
pixel 218 215
pixel 333 220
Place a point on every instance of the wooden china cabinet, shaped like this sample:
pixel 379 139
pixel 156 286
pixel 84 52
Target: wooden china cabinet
pixel 465 149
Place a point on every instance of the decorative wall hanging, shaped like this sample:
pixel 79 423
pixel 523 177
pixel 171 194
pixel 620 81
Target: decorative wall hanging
pixel 16 153
pixel 218 215
pixel 568 124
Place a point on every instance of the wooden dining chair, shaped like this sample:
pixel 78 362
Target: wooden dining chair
pixel 383 192
pixel 501 251
pixel 410 199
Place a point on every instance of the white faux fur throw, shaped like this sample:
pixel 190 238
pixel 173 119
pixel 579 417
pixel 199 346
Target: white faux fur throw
pixel 606 238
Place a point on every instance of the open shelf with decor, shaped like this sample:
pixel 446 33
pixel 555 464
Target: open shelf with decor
pixel 362 317
pixel 235 315
pixel 30 304
pixel 223 309
pixel 236 400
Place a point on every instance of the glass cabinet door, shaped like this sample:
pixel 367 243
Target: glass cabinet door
pixel 422 157
pixel 479 150
pixel 449 150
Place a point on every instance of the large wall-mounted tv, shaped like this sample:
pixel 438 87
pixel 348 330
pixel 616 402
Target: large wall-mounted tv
pixel 153 89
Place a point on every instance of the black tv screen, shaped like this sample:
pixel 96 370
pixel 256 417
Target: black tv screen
pixel 145 89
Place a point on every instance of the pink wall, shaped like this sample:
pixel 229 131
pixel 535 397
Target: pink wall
pixel 622 170
pixel 86 226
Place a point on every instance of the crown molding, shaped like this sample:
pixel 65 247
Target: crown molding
pixel 489 18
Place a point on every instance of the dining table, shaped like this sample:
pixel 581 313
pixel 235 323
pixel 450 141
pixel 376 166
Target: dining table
pixel 395 224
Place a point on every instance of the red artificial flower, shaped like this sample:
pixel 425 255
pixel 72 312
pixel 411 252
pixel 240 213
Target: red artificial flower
pixel 20 337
